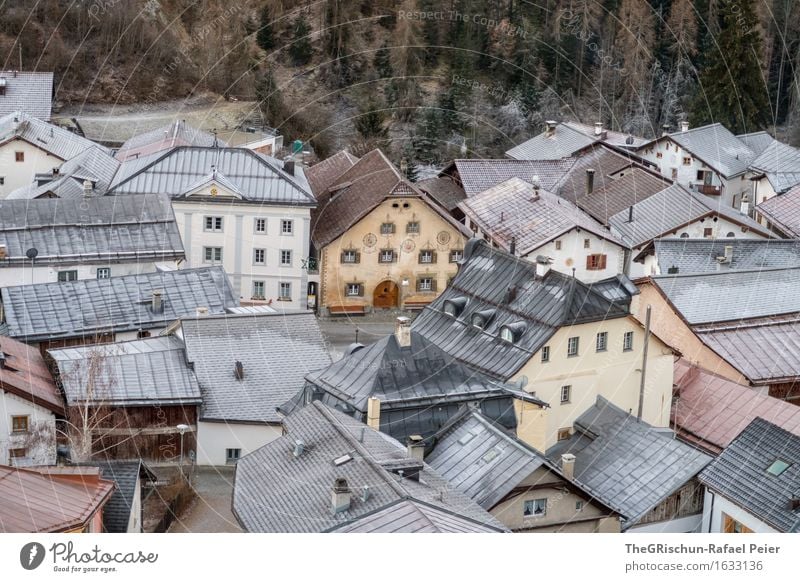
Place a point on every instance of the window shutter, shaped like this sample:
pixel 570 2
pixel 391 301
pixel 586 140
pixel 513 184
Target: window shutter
pixel 419 257
pixel 394 255
pixel 341 257
pixel 433 281
pixel 602 264
pixel 358 257
pixel 419 285
pixel 589 262
pixel 360 289
pixel 433 260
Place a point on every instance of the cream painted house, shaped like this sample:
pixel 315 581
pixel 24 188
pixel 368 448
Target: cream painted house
pixel 381 242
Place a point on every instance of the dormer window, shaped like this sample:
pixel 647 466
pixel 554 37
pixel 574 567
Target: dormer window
pixel 454 307
pixel 507 335
pixel 512 332
pixel 481 319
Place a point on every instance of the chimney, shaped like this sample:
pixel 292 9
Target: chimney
pixel 589 180
pixel 340 497
pixel 88 187
pixel 665 129
pixel 157 303
pixel 374 413
pixel 598 128
pixel 745 207
pixel 728 253
pixel 238 370
pixel 630 213
pixel 365 493
pixel 288 167
pixel 56 171
pixel 542 265
pixel 416 447
pixel 551 128
pixel 568 466
pixel 536 183
pixel 513 246
pixel 201 311
pixel 299 447
pixel 684 126
pixel 402 332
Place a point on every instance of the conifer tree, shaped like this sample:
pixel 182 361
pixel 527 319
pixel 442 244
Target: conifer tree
pixel 300 50
pixel 265 37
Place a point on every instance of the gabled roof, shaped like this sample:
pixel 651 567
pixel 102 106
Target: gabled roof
pixel 737 295
pixel 145 372
pixel 86 307
pixel 711 411
pixel 627 464
pixel 177 133
pixel 700 255
pixel 30 92
pixel 783 211
pixel 25 374
pixel 76 230
pixel 325 174
pixel 34 500
pixel 567 138
pixel 533 217
pixel 618 194
pixel 179 171
pixel 53 139
pixel 780 164
pixel 669 209
pixel 495 280
pixel 742 474
pixel 125 475
pixel 757 141
pixel 276 351
pixel 278 491
pixel 478 175
pixel 443 190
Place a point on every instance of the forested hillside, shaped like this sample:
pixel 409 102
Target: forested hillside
pixel 427 79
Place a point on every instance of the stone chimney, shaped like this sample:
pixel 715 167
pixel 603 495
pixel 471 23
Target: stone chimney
pixel 684 126
pixel 374 413
pixel 665 129
pixel 568 466
pixel 728 253
pixel 88 188
pixel 551 128
pixel 157 302
pixel 589 180
pixel 416 447
pixel 340 496
pixel 542 265
pixel 402 332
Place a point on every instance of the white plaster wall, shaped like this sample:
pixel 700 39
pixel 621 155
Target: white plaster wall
pixel 13 405
pixel 18 174
pixel 214 437
pixel 722 505
pixel 44 273
pixel 687 524
pixel 573 254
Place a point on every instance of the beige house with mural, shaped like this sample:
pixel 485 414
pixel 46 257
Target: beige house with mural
pixel 381 243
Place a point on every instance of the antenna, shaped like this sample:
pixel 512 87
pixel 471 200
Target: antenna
pixel 32 253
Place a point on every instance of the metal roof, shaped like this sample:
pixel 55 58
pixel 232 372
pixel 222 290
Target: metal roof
pixel 145 372
pixel 86 307
pixel 711 411
pixel 533 217
pixel 783 211
pixel 51 138
pixel 25 374
pixel 177 133
pixel 740 474
pixel 276 490
pixel 736 295
pixel 493 279
pixel 627 464
pixel 180 170
pixel 716 146
pixel 780 163
pixel 479 175
pixel 566 139
pixel 29 92
pixel 77 230
pixel 276 351
pixel 125 475
pixel 700 255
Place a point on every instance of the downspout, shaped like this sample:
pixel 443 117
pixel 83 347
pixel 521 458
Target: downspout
pixel 644 363
pixel 711 510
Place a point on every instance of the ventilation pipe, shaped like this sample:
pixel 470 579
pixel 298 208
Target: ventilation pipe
pixel 589 181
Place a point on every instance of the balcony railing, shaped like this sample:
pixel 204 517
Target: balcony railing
pixel 709 190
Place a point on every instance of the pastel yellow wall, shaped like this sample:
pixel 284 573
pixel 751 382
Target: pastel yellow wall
pixel 671 328
pixel 613 374
pixel 435 233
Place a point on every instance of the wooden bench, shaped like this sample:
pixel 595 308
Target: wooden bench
pixel 415 305
pixel 346 310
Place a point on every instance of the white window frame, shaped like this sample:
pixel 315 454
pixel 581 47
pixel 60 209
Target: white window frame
pixel 571 353
pixel 566 394
pixel 545 354
pixel 349 253
pixel 426 257
pixel 213 260
pixel 539 507
pixel 263 286
pixel 287 222
pixel 103 272
pixel 381 256
pixel 286 264
pixel 263 253
pixel 255 225
pixel 232 455
pixel 423 287
pixel 67 277
pixel 456 255
pixel 281 295
pixel 627 341
pixel 353 290
pixel 215 220
pixel 601 343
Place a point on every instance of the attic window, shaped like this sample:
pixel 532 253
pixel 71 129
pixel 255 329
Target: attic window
pixel 454 307
pixel 512 332
pixel 339 461
pixel 777 467
pixel 490 456
pixel 481 319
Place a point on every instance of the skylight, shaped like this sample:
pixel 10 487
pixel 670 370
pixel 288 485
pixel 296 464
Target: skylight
pixel 490 456
pixel 338 461
pixel 466 438
pixel 777 467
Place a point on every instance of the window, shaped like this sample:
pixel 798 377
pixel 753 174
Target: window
pixel 777 467
pixel 284 291
pixel 386 256
pixel 287 227
pixel 19 424
pixel 731 235
pixel 351 257
pixel 558 245
pixel 213 224
pixel 103 272
pixel 260 226
pixel 456 255
pixel 286 258
pixel 426 284
pixel 412 228
pixel 730 525
pixel 427 257
pixel 578 505
pixel 546 354
pixel 684 235
pixel 708 232
pixel 659 155
pixel 572 346
pixel 595 262
pixel 566 393
pixel 232 455
pixel 2 180
pixel 17 453
pixel 259 256
pixel 64 276
pixel 354 290
pixel 602 341
pixel 627 341
pixel 387 228
pixel 687 161
pixel 142 333
pixel 19 156
pixel 212 254
pixel 534 507
pixel 507 335
pixel 586 243
pixel 563 434
pixel 258 290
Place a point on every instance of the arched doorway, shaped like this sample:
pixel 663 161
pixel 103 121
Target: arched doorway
pixel 385 295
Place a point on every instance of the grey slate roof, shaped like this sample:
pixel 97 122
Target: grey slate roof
pixel 716 146
pixel 125 474
pixel 51 138
pixel 145 372
pixel 178 171
pixel 568 138
pixel 533 217
pixel 757 141
pixel 443 190
pixel 76 230
pixel 276 491
pixel 479 175
pixel 733 295
pixel 27 91
pixel 740 474
pixel 542 305
pixel 671 208
pixel 783 211
pixel 83 308
pixel 780 163
pixel 628 465
pixel 699 255
pixel 276 350
pixel 618 194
